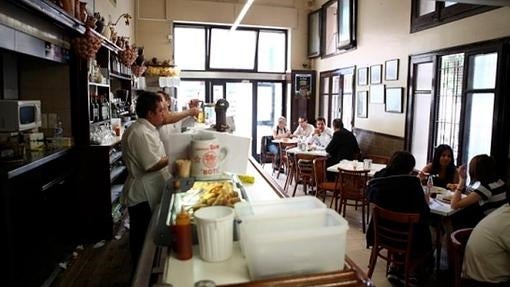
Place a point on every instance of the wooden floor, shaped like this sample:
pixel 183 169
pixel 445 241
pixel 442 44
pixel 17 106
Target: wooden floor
pixel 105 266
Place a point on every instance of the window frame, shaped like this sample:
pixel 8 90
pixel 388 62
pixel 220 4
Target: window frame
pixel 442 15
pixel 345 46
pixel 209 27
pixel 501 116
pixel 341 72
pixel 314 30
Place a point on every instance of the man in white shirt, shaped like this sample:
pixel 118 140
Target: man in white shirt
pixel 487 256
pixel 304 128
pixel 322 134
pixel 147 164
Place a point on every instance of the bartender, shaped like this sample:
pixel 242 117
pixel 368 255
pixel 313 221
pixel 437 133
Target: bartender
pixel 175 127
pixel 147 164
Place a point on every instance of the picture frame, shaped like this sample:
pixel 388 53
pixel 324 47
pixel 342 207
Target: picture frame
pixel 363 76
pixel 377 94
pixel 314 33
pixel 391 70
pixel 394 100
pixel 303 85
pixel 375 74
pixel 362 104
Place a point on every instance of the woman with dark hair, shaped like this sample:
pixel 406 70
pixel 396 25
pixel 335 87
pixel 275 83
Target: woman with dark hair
pixel 442 168
pixel 486 188
pixel 395 189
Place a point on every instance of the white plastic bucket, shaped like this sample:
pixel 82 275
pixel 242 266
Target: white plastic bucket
pixel 215 226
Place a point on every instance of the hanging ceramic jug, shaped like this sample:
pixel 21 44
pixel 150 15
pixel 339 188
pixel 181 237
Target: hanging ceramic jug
pixel 83 11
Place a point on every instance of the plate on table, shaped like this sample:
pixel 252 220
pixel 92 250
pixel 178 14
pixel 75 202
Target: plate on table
pixel 445 197
pixel 438 190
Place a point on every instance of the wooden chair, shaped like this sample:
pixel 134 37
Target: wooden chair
pixel 457 244
pixel 322 186
pixel 265 155
pixel 283 156
pixel 304 172
pixel 393 232
pixel 352 185
pixel 291 171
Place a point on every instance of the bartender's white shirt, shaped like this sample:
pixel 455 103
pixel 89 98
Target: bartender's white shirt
pixel 141 150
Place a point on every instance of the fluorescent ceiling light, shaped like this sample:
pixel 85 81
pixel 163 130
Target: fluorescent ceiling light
pixel 241 14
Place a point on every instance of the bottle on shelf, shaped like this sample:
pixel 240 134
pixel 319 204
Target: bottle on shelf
pixel 183 244
pixel 59 130
pixel 95 109
pixel 104 108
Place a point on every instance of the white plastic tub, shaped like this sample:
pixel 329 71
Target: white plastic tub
pixel 303 243
pixel 280 206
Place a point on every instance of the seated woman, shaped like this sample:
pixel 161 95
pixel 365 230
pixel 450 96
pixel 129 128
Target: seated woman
pixel 279 132
pixel 486 189
pixel 442 167
pixel 394 188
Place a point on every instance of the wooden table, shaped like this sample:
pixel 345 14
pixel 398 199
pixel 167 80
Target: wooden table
pixel 314 152
pixel 349 165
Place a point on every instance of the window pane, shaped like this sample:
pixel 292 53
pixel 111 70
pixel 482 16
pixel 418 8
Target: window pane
pixel 336 84
pixel 426 6
pixel 345 21
pixel 325 85
pixel 233 50
pixel 271 57
pixel 189 48
pixel 239 96
pixel 348 81
pixel 331 29
pixel 421 126
pixel 424 77
pixel 482 71
pixel 450 96
pixel 324 107
pixel 189 90
pixel 347 111
pixel 336 107
pixel 480 124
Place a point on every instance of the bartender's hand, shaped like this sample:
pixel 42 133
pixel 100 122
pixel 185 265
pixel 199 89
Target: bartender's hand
pixel 193 112
pixel 194 103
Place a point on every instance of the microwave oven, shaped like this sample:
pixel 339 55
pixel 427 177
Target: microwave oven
pixel 19 115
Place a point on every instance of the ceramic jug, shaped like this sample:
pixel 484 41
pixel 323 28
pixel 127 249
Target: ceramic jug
pixel 207 156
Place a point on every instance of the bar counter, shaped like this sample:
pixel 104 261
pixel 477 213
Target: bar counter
pixel 157 265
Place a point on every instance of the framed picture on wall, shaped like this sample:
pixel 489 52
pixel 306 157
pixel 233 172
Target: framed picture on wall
pixel 391 70
pixel 303 85
pixel 375 74
pixel 362 104
pixel 377 94
pixel 362 76
pixel 394 99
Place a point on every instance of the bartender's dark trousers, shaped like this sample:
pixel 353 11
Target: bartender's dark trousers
pixel 139 218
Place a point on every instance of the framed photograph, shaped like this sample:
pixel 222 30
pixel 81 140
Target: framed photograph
pixel 375 74
pixel 394 99
pixel 391 70
pixel 303 85
pixel 314 34
pixel 377 94
pixel 362 104
pixel 363 76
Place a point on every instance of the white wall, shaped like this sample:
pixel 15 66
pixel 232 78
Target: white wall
pixel 106 7
pixel 383 34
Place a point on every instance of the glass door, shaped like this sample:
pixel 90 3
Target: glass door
pixel 240 97
pixel 269 109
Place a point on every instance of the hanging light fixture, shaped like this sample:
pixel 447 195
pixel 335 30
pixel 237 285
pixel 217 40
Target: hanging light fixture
pixel 241 14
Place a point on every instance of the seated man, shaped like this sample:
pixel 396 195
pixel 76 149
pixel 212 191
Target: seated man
pixel 343 145
pixel 487 258
pixel 304 129
pixel 322 134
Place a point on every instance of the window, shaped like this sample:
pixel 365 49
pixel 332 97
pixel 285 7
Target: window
pixel 427 14
pixel 336 96
pixel 314 34
pixel 461 103
pixel 271 51
pixel 206 47
pixel 189 48
pixel 339 26
pixel 233 49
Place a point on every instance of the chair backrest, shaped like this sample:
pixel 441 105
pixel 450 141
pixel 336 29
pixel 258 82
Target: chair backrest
pixel 304 164
pixel 319 170
pixel 377 158
pixel 394 230
pixel 265 155
pixel 458 241
pixel 284 146
pixel 352 183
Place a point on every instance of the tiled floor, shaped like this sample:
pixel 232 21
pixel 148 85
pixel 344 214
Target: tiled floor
pixel 356 245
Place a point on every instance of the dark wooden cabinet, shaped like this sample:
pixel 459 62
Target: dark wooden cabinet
pixel 38 220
